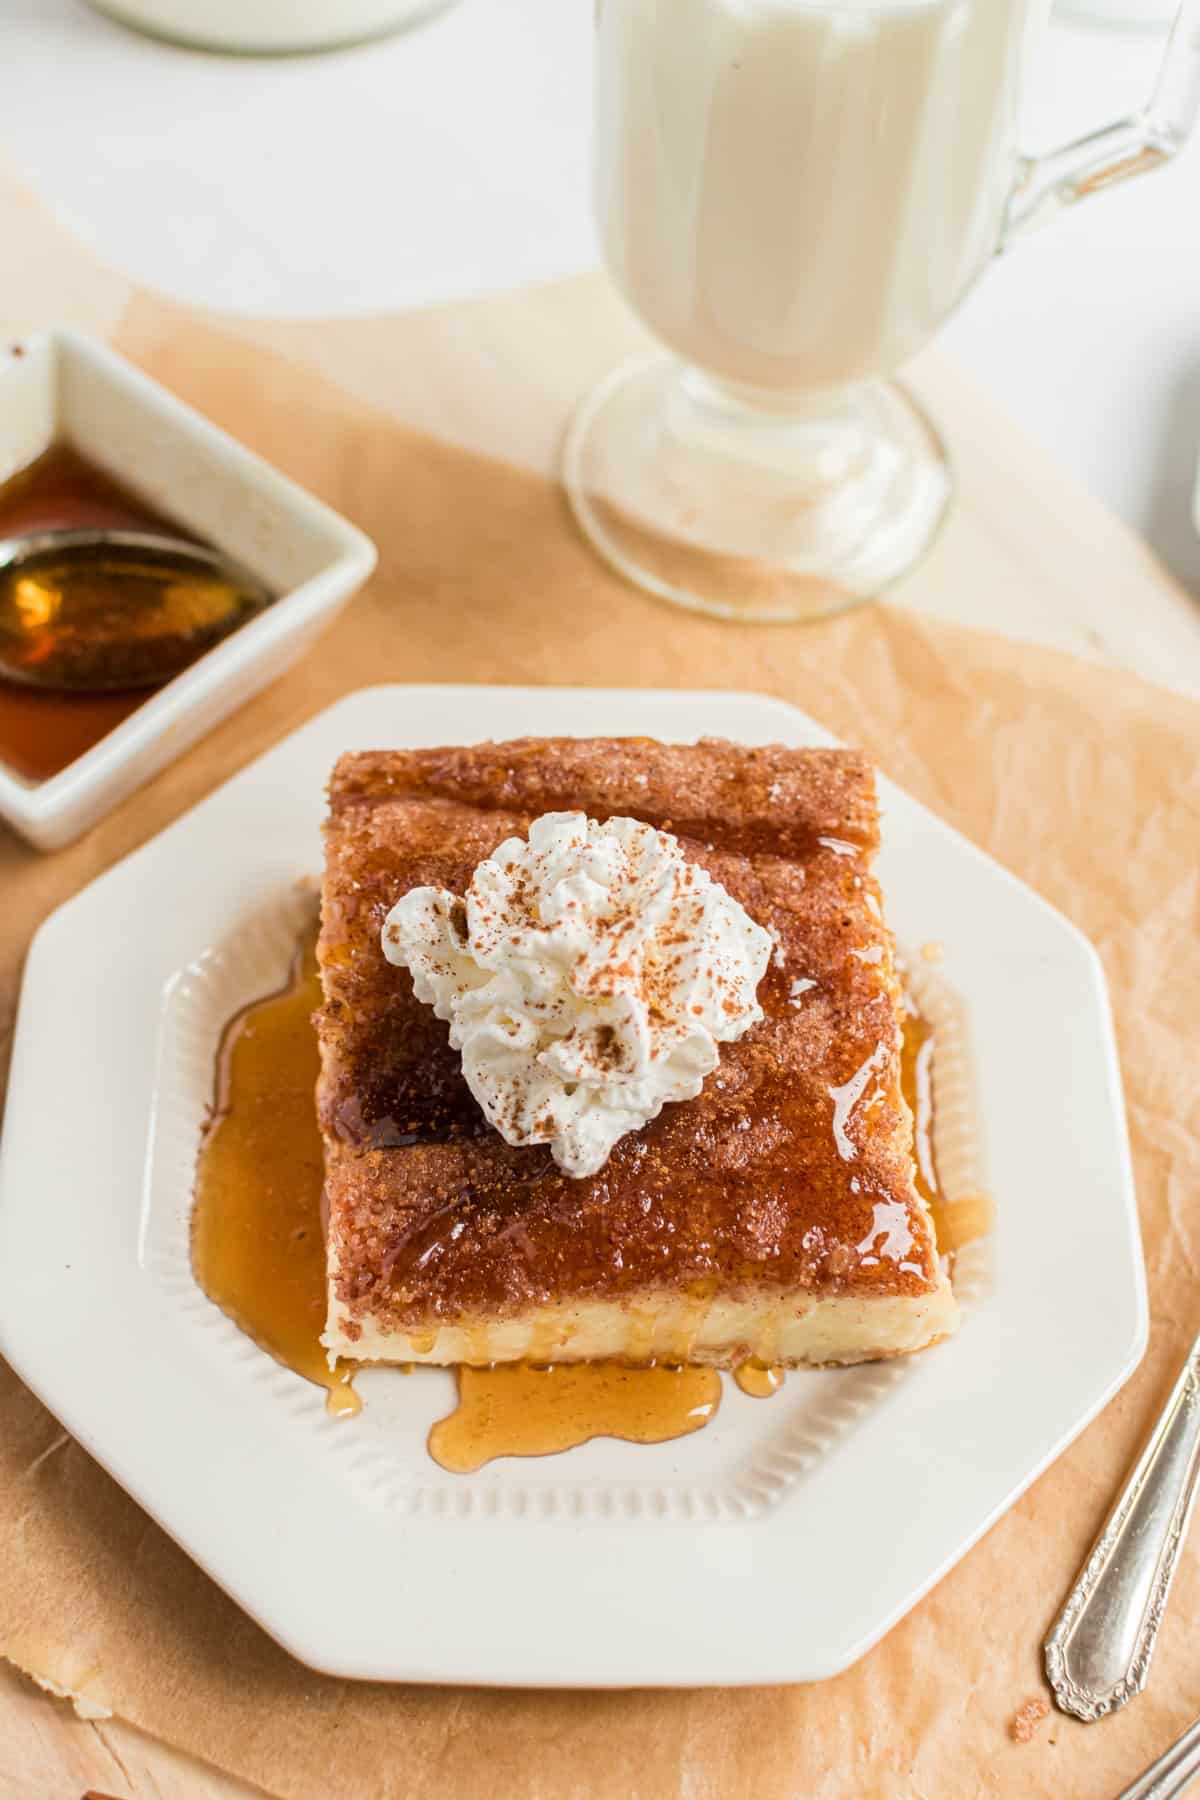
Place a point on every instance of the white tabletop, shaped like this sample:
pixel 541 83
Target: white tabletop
pixel 454 160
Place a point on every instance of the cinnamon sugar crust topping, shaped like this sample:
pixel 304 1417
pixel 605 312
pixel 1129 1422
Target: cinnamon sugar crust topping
pixel 791 1171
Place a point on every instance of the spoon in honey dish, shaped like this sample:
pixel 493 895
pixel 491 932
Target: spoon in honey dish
pixel 103 609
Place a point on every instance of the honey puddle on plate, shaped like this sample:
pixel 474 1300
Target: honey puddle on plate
pixel 258 1251
pixel 516 1409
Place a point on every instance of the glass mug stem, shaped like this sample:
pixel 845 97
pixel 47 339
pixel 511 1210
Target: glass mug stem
pixel 794 207
pixel 796 508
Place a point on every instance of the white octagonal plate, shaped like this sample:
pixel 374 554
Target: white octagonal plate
pixel 613 1565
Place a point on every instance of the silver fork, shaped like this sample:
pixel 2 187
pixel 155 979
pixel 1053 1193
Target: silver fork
pixel 1173 1771
pixel 1098 1652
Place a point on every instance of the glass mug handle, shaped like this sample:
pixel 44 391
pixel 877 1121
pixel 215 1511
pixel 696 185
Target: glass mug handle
pixel 1133 146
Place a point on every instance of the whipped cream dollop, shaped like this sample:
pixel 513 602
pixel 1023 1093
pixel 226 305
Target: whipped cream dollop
pixel 588 976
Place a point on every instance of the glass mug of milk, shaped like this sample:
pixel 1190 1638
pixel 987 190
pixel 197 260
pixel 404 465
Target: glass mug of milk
pixel 794 195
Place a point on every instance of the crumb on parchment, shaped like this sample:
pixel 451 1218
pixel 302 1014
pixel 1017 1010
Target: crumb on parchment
pixel 1027 1719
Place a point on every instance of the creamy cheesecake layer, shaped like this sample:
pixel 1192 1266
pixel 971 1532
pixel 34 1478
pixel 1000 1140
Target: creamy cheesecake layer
pixel 836 1329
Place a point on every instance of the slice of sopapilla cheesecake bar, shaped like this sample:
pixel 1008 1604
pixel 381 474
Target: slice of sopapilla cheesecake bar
pixel 611 1060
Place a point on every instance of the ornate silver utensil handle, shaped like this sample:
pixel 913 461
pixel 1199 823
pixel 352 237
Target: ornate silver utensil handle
pixel 1098 1653
pixel 1172 1773
pixel 1174 1770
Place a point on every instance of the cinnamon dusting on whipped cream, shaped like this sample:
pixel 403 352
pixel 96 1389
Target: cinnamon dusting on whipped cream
pixel 589 975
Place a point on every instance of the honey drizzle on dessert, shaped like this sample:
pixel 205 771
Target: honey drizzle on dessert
pixel 683 1330
pixel 546 1336
pixel 258 1252
pixel 258 1249
pixel 515 1409
pixel 955 1222
pixel 476 1345
pixel 760 1380
pixel 767 1349
pixel 642 1328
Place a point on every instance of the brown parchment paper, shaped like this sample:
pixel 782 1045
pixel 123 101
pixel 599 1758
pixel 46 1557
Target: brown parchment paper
pixel 1082 781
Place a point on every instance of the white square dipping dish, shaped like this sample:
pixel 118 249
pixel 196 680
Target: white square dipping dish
pixel 60 387
pixel 776 1545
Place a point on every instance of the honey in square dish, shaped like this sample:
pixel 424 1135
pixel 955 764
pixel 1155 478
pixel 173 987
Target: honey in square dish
pixel 772 1218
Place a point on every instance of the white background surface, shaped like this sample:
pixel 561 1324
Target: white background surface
pixel 454 160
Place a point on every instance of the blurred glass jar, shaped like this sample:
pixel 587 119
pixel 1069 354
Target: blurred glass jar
pixel 268 27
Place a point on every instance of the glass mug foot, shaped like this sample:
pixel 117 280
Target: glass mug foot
pixel 755 507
